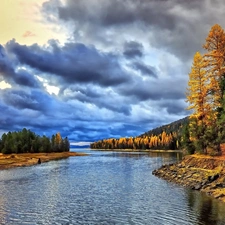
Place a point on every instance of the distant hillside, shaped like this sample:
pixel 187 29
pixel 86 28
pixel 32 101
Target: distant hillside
pixel 175 126
pixel 167 137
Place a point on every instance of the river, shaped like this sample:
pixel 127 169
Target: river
pixel 103 188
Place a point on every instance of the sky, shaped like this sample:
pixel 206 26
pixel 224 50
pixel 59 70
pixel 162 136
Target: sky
pixel 96 69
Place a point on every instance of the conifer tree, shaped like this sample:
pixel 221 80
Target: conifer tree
pixel 198 90
pixel 200 100
pixel 215 60
pixel 206 93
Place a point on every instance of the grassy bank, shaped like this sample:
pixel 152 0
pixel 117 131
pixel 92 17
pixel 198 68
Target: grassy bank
pixel 29 159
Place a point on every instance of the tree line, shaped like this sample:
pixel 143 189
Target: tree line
pixel 26 141
pixel 162 141
pixel 206 96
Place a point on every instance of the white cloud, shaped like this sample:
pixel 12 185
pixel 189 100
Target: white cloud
pixel 81 143
pixel 4 85
pixel 49 88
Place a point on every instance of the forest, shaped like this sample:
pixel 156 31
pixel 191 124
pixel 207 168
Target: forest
pixel 26 141
pixel 203 131
pixel 167 137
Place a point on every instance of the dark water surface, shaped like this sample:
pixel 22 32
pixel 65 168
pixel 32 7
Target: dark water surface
pixel 103 188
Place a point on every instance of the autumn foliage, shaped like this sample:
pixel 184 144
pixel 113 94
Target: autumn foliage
pixel 205 95
pixel 161 141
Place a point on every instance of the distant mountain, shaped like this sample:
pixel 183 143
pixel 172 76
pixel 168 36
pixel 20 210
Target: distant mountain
pixel 175 126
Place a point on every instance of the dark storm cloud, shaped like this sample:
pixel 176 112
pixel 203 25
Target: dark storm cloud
pixel 130 130
pixel 174 107
pixel 133 49
pixel 6 68
pixel 145 70
pixel 99 97
pixel 139 93
pixel 151 90
pixel 111 13
pixel 178 26
pixel 8 71
pixel 89 92
pixel 22 77
pixel 123 130
pixel 73 62
pixel 19 99
pixel 104 102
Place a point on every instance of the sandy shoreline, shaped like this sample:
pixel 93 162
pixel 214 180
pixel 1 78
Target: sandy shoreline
pixel 29 159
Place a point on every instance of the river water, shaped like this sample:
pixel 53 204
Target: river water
pixel 103 188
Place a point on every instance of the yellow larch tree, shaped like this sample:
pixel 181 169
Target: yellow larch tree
pixel 163 138
pixel 199 98
pixel 215 46
pixel 215 62
pixel 58 138
pixel 198 91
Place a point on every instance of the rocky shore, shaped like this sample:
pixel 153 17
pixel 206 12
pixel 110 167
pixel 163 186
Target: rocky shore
pixel 203 173
pixel 29 159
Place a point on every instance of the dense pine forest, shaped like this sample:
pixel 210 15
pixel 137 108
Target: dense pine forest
pixel 27 141
pixel 203 131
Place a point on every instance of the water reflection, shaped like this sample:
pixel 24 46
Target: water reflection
pixel 208 210
pixel 166 157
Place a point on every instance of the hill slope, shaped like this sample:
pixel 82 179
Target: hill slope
pixel 175 126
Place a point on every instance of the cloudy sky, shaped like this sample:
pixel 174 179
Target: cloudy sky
pixel 94 69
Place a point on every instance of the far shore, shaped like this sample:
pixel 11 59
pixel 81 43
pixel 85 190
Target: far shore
pixel 135 150
pixel 8 161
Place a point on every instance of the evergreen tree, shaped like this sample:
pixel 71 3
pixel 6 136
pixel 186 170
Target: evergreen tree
pixel 66 144
pixel 27 141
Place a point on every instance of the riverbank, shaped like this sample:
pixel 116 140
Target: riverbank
pixel 199 172
pixel 29 159
pixel 133 150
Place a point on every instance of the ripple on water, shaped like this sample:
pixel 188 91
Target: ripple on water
pixel 105 188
